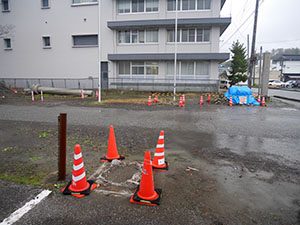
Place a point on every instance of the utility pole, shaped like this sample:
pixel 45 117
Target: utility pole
pixel 248 46
pixel 260 71
pixel 252 57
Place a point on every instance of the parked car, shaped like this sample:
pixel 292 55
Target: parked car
pixel 275 83
pixel 224 84
pixel 296 84
pixel 289 84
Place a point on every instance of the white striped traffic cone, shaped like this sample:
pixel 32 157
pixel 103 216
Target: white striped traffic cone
pixel 79 186
pixel 159 155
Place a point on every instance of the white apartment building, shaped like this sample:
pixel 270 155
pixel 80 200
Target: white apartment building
pixel 135 45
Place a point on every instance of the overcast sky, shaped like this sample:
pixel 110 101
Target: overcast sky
pixel 278 23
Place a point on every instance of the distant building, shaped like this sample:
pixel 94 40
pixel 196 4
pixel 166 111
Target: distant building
pixel 59 39
pixel 288 65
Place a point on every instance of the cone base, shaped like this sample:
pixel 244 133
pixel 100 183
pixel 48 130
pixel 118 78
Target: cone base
pixel 105 159
pixel 163 167
pixel 92 185
pixel 135 199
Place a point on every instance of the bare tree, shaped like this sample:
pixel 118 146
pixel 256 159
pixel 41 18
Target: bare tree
pixel 5 30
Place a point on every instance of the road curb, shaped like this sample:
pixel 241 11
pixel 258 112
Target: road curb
pixel 290 99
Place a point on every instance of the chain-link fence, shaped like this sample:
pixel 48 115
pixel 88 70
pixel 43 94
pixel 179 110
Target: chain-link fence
pixel 125 83
pixel 88 83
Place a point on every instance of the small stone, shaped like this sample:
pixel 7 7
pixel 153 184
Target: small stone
pixel 115 162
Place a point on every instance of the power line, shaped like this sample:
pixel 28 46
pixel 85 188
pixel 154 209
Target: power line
pixel 237 30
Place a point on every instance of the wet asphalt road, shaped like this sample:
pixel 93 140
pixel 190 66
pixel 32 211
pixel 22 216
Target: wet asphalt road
pixel 274 132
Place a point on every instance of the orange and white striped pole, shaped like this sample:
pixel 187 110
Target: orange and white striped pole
pixel 32 96
pixel 263 101
pixel 149 100
pixel 201 100
pixel 82 94
pixel 230 101
pixel 42 96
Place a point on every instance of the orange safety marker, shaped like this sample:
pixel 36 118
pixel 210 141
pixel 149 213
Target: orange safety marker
pixel 230 101
pixel 149 100
pixel 208 99
pixel 42 96
pixel 259 99
pixel 155 100
pixel 82 94
pixel 32 96
pixel 146 194
pixel 79 186
pixel 112 150
pixel 97 94
pixel 183 99
pixel 201 100
pixel 159 155
pixel 263 101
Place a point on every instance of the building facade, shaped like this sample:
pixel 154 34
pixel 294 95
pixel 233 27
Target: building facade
pixel 135 45
pixel 288 65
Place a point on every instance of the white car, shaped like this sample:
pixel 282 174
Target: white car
pixel 289 84
pixel 275 83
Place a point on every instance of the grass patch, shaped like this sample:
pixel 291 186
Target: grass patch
pixel 35 180
pixel 44 134
pixel 8 149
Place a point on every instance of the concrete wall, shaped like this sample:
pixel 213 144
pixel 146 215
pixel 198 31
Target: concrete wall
pixel 28 59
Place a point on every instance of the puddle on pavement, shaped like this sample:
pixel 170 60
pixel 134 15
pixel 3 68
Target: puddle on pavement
pixel 286 150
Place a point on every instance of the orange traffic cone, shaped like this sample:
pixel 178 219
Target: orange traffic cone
pixel 230 101
pixel 112 150
pixel 155 100
pixel 263 101
pixel 258 99
pixel 201 100
pixel 181 102
pixel 159 155
pixel 149 101
pixel 208 98
pixel 183 99
pixel 145 193
pixel 79 186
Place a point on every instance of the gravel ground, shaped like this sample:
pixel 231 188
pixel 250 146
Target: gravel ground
pixel 246 159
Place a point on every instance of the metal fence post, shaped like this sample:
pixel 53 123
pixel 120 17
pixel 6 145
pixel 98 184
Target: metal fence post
pixel 62 145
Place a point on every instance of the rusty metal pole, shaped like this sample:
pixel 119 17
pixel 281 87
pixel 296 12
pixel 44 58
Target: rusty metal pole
pixel 62 145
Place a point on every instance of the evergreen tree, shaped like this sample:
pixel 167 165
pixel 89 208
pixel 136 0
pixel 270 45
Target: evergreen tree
pixel 239 65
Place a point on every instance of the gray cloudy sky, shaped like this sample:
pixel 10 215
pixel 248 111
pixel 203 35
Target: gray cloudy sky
pixel 278 23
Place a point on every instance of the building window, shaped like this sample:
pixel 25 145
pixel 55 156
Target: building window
pixel 195 69
pixel 84 2
pixel 203 35
pixel 189 35
pixel 185 5
pixel 45 4
pixel 85 40
pixel 5 5
pixel 124 68
pixel 7 43
pixel 124 6
pixel 203 4
pixel 46 42
pixel 137 36
pixel 151 5
pixel 138 68
pixel 202 68
pixel 151 36
pixel 152 68
pixel 137 6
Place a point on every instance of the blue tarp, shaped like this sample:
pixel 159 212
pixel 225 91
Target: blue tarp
pixel 241 92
